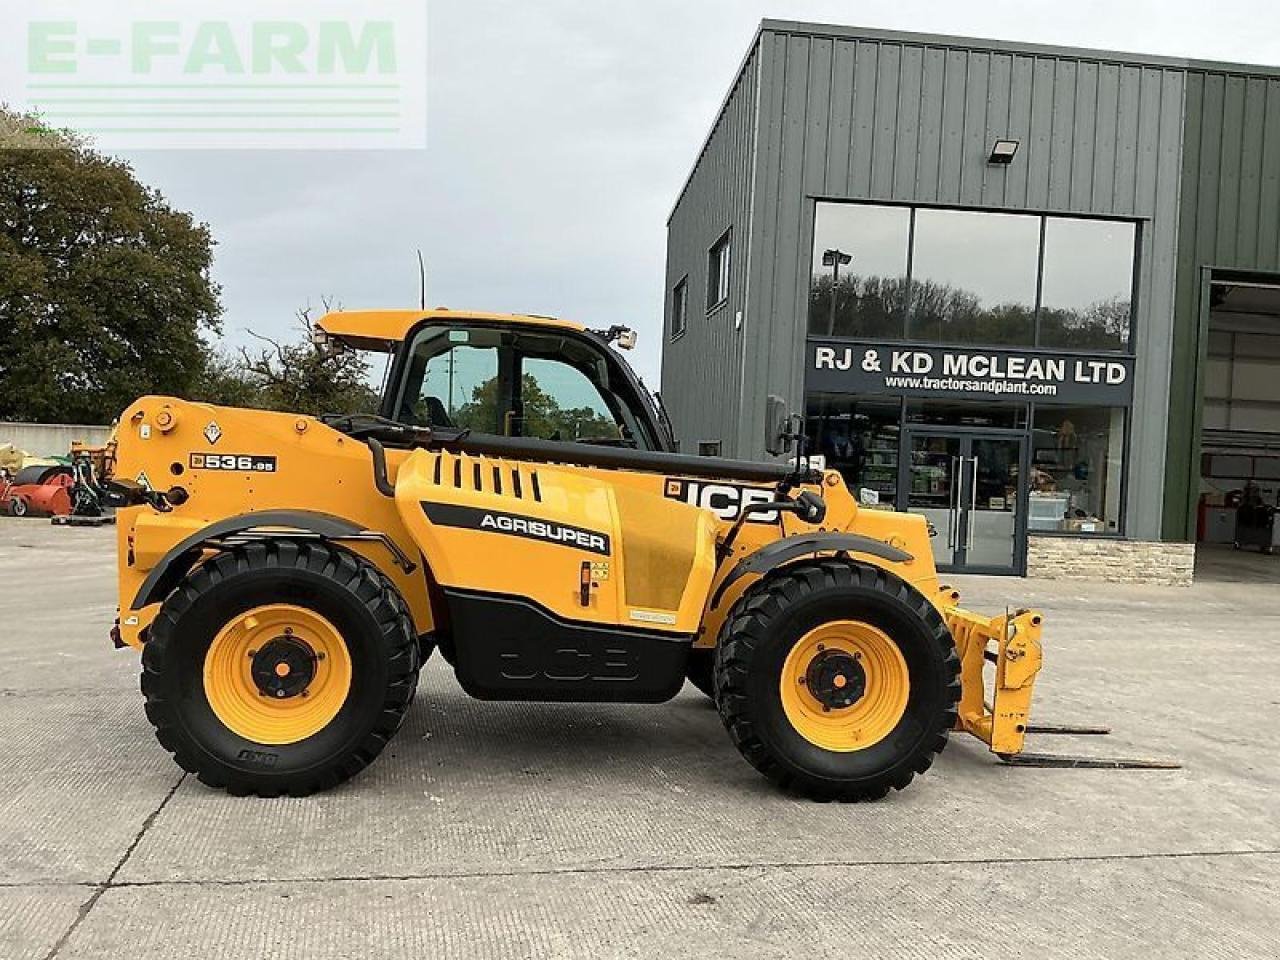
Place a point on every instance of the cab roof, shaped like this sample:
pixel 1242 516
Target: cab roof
pixel 383 330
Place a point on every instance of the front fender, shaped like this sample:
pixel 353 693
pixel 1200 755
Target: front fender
pixel 781 552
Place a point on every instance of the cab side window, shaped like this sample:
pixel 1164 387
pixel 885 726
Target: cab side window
pixel 559 402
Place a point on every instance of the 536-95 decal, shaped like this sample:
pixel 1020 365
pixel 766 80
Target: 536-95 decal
pixel 235 462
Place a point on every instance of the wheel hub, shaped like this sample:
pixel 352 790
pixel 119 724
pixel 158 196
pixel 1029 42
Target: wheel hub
pixel 283 668
pixel 836 679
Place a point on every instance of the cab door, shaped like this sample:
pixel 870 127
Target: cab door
pixel 507 380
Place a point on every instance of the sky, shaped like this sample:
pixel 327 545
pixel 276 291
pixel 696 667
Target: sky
pixel 559 133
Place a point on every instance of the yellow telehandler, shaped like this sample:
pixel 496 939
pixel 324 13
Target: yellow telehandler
pixel 518 506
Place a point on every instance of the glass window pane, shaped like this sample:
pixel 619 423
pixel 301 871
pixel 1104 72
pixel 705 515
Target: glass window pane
pixel 452 384
pixel 1077 459
pixel 559 402
pixel 865 252
pixel 680 308
pixel 859 437
pixel 974 277
pixel 1088 284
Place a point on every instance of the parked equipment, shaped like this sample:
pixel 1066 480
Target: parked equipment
pixel 43 491
pixel 1255 521
pixel 518 506
pixel 58 490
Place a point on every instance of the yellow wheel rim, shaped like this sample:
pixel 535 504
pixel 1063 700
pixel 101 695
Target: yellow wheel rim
pixel 845 686
pixel 277 674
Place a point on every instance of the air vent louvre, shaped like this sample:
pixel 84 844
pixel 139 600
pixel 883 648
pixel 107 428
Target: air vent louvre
pixel 483 475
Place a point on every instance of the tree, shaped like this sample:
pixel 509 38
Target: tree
pixel 299 377
pixel 105 289
pixel 543 417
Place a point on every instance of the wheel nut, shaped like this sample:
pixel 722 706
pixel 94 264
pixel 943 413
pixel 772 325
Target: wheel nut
pixel 252 654
pixel 821 647
pixel 279 693
pixel 306 693
pixel 288 631
pixel 320 656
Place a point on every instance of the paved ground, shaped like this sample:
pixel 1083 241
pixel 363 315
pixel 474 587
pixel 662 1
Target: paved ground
pixel 548 831
pixel 1223 564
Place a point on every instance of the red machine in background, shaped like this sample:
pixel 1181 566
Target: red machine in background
pixel 38 490
pixel 56 490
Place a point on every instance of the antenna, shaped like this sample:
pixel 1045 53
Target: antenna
pixel 422 280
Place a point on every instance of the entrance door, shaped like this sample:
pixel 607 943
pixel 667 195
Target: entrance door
pixel 968 485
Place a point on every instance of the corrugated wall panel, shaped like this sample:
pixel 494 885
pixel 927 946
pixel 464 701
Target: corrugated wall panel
pixel 865 119
pixel 1230 220
pixel 701 370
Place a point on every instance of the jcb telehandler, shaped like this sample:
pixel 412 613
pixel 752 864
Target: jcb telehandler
pixel 518 506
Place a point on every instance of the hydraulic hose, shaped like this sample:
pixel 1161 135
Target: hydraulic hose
pixel 380 479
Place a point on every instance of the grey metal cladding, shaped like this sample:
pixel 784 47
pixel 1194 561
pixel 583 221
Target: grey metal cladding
pixel 1230 219
pixel 701 370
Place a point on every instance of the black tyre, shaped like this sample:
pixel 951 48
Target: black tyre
pixel 837 680
pixel 700 670
pixel 280 667
pixel 18 507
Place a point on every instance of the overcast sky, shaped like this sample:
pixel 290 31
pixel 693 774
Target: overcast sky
pixel 559 132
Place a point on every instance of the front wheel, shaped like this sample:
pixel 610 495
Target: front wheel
pixel 279 667
pixel 18 507
pixel 837 680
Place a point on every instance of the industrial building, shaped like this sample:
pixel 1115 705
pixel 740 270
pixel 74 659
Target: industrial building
pixel 1030 292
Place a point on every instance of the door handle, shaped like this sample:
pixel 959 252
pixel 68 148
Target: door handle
pixel 973 504
pixel 953 527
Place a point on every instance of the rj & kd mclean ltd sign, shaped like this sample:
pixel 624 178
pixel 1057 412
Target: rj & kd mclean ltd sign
pixel 844 366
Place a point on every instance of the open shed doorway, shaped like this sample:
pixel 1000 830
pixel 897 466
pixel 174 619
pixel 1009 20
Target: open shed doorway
pixel 1238 520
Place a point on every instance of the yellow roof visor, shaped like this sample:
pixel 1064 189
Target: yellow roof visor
pixel 384 330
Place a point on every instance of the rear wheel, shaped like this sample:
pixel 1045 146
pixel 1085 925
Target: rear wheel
pixel 280 667
pixel 837 680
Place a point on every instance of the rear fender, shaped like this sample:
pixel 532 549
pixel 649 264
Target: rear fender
pixel 178 561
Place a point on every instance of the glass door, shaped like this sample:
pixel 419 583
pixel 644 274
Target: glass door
pixel 991 508
pixel 933 468
pixel 969 487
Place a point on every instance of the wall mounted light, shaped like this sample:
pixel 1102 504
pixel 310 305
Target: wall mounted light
pixel 836 258
pixel 1003 151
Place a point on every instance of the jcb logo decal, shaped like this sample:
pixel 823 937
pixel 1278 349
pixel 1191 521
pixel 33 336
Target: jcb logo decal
pixel 725 500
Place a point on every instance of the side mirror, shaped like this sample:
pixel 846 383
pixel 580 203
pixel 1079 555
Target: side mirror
pixel 777 437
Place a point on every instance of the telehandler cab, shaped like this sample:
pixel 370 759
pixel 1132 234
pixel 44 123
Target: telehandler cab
pixel 518 506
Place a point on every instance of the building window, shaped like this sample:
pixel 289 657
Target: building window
pixel 973 278
pixel 709 448
pixel 718 268
pixel 884 272
pixel 859 437
pixel 1088 284
pixel 680 308
pixel 860 271
pixel 1077 461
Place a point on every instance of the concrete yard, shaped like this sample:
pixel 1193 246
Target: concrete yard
pixel 498 830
